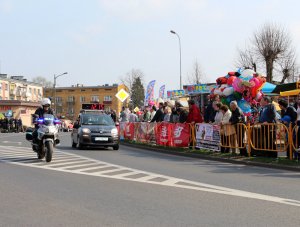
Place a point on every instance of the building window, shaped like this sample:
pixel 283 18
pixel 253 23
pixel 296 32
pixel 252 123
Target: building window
pixel 58 99
pixel 95 98
pixel 6 87
pixel 0 86
pixel 82 99
pixel 30 90
pixel 71 99
pixel 0 97
pixel 34 91
pixel 107 98
pixel 59 109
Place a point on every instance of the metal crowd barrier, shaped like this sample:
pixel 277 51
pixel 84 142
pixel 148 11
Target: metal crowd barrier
pixel 270 137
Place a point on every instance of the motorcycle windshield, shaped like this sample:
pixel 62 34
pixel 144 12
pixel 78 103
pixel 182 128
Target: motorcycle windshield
pixel 48 119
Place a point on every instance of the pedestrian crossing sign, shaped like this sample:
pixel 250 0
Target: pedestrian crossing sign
pixel 122 95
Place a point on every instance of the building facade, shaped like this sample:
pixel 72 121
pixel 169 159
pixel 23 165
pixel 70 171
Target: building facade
pixel 68 101
pixel 20 96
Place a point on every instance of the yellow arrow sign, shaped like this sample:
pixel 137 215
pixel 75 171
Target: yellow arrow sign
pixel 122 95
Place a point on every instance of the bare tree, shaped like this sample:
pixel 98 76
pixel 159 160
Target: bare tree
pixel 43 81
pixel 288 67
pixel 130 77
pixel 197 75
pixel 271 43
pixel 246 59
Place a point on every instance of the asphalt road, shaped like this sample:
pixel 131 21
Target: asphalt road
pixel 135 187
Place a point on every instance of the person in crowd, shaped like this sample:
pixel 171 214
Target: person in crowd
pixel 209 113
pixel 194 115
pixel 159 115
pixel 124 115
pixel 174 118
pixel 114 115
pixel 167 114
pixel 237 117
pixel 152 112
pixel 133 116
pixel 219 113
pixel 268 111
pixel 267 133
pixel 147 115
pixel 298 124
pixel 226 129
pixel 287 110
pixel 183 114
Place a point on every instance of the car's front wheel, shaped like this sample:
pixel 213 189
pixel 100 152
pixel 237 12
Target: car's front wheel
pixel 116 147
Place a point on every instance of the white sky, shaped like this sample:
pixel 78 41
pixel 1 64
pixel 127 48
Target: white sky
pixel 98 41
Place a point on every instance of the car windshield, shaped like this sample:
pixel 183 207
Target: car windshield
pixel 96 119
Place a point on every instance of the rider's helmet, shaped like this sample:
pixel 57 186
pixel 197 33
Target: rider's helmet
pixel 46 102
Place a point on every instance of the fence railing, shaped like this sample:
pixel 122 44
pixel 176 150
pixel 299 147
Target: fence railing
pixel 270 137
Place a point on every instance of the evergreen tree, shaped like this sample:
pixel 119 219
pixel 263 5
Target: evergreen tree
pixel 137 92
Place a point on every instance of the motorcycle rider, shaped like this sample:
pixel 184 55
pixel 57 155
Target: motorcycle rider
pixel 45 109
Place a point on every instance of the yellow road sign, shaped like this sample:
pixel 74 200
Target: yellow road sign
pixel 122 95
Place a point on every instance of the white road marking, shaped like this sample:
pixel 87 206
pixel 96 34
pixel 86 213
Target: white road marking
pixel 11 142
pixel 16 156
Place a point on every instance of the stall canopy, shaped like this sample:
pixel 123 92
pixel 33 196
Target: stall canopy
pixel 290 93
pixel 268 88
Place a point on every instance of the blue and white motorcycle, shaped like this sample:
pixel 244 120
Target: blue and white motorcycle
pixel 47 136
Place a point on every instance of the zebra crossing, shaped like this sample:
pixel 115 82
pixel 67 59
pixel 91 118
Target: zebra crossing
pixel 77 164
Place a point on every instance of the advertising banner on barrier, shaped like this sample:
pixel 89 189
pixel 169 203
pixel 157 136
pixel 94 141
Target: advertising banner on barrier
pixel 141 131
pixel 181 135
pixel 129 131
pixel 151 135
pixel 164 134
pixel 208 136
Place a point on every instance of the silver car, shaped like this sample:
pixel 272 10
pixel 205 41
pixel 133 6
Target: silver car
pixel 95 130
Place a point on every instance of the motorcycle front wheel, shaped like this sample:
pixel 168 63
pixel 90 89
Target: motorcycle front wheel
pixel 49 152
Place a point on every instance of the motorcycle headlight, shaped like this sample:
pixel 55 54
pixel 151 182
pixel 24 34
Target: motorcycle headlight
pixel 86 130
pixel 114 131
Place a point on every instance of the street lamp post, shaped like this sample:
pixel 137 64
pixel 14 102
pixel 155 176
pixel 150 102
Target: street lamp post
pixel 173 32
pixel 54 88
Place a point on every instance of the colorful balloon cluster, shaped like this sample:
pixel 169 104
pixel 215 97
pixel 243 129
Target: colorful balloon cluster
pixel 243 86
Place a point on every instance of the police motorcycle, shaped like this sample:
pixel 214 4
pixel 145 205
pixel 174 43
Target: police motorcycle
pixel 47 136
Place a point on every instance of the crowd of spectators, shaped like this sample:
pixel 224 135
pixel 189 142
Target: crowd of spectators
pixel 11 125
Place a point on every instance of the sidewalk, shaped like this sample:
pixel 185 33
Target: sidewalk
pixel 275 163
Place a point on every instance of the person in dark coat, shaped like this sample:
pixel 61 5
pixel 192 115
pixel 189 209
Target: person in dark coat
pixel 182 114
pixel 210 113
pixel 114 115
pixel 237 116
pixel 159 115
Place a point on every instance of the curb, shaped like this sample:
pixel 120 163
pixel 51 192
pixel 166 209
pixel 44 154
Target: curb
pixel 210 158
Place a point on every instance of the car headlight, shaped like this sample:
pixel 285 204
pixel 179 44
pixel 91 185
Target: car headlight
pixel 86 130
pixel 114 131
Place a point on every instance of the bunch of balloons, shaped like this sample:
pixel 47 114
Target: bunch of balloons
pixel 243 86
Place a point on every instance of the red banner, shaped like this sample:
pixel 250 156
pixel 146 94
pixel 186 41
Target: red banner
pixel 181 135
pixel 129 131
pixel 164 134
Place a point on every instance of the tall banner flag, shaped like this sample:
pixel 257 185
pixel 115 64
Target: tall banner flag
pixel 149 96
pixel 162 91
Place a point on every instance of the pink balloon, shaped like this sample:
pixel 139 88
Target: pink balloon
pixel 237 85
pixel 255 81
